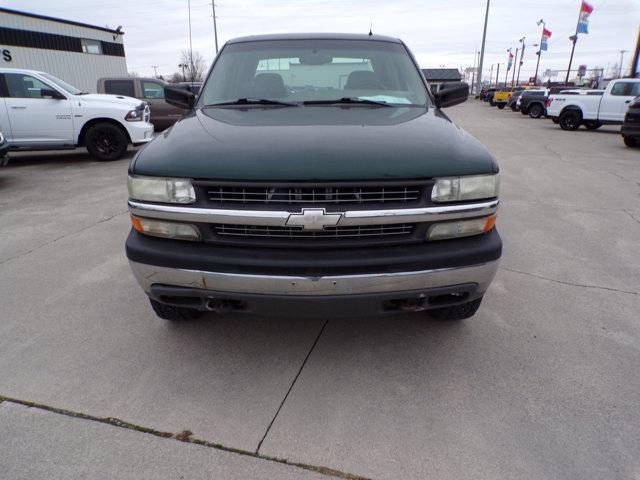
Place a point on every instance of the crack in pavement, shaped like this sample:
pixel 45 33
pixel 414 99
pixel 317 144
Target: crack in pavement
pixel 66 235
pixel 581 285
pixel 304 362
pixel 185 437
pixel 560 157
pixel 631 215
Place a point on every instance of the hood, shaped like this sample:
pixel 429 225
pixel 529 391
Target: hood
pixel 314 143
pixel 129 103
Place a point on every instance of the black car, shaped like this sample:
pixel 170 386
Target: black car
pixel 513 100
pixel 631 127
pixel 485 95
pixel 533 103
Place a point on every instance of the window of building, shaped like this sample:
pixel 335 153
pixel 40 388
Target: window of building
pixel 91 46
pixel 120 87
pixel 152 90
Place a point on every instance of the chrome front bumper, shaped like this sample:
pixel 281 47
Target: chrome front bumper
pixel 481 275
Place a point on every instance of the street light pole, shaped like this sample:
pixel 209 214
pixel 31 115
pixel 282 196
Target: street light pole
pixel 497 74
pixel 473 73
pixel 215 25
pixel 484 37
pixel 621 60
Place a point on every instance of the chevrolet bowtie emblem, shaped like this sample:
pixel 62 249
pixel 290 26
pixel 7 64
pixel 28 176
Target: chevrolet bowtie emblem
pixel 313 219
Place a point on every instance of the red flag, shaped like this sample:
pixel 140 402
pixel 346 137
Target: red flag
pixel 586 7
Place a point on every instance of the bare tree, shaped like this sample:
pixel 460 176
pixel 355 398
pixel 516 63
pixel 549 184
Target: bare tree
pixel 175 77
pixel 195 62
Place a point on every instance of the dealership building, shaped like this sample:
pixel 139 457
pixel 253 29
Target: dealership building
pixel 76 52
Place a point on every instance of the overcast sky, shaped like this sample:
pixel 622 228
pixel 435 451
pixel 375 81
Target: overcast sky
pixel 439 32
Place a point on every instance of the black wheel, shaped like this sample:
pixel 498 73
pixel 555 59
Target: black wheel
pixel 456 312
pixel 501 106
pixel 105 141
pixel 570 120
pixel 592 125
pixel 536 111
pixel 523 112
pixel 630 141
pixel 492 103
pixel 513 108
pixel 175 314
pixel 555 120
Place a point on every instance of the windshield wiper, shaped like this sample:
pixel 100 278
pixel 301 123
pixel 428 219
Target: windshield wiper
pixel 253 101
pixel 347 101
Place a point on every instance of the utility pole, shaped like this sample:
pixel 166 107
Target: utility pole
pixel 497 75
pixel 484 37
pixel 521 59
pixel 155 70
pixel 539 52
pixel 621 60
pixel 215 26
pixel 491 74
pixel 513 74
pixel 182 66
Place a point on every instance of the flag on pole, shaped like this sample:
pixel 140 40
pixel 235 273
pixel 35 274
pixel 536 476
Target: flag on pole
pixel 545 37
pixel 510 61
pixel 583 20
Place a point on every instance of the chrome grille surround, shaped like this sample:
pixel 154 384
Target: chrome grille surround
pixel 278 232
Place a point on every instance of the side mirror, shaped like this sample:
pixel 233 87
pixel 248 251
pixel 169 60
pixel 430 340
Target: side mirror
pixel 50 93
pixel 179 98
pixel 452 94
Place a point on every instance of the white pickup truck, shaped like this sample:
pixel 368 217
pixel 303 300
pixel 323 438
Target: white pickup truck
pixel 41 112
pixel 593 108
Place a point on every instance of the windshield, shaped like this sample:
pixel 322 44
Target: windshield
pixel 299 71
pixel 61 83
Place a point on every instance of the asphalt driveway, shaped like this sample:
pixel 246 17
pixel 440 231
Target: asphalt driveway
pixel 544 382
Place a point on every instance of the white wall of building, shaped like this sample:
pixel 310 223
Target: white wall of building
pixel 79 69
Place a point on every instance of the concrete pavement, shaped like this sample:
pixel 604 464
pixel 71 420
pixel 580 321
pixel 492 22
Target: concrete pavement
pixel 542 383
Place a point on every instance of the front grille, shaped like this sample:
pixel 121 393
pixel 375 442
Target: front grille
pixel 295 233
pixel 312 195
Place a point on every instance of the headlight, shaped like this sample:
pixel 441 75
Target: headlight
pixel 455 189
pixel 159 189
pixel 161 228
pixel 461 228
pixel 134 115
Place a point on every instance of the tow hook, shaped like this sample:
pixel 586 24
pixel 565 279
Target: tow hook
pixel 217 305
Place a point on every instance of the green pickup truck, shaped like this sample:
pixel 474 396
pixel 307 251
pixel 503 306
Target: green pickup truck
pixel 314 175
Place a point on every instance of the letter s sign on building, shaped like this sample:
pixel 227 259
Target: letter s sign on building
pixel 6 55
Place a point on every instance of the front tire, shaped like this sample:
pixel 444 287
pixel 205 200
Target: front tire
pixel 501 106
pixel 456 312
pixel 570 120
pixel 535 111
pixel 106 141
pixel 174 314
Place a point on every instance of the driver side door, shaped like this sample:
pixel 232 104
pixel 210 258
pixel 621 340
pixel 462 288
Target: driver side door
pixel 36 120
